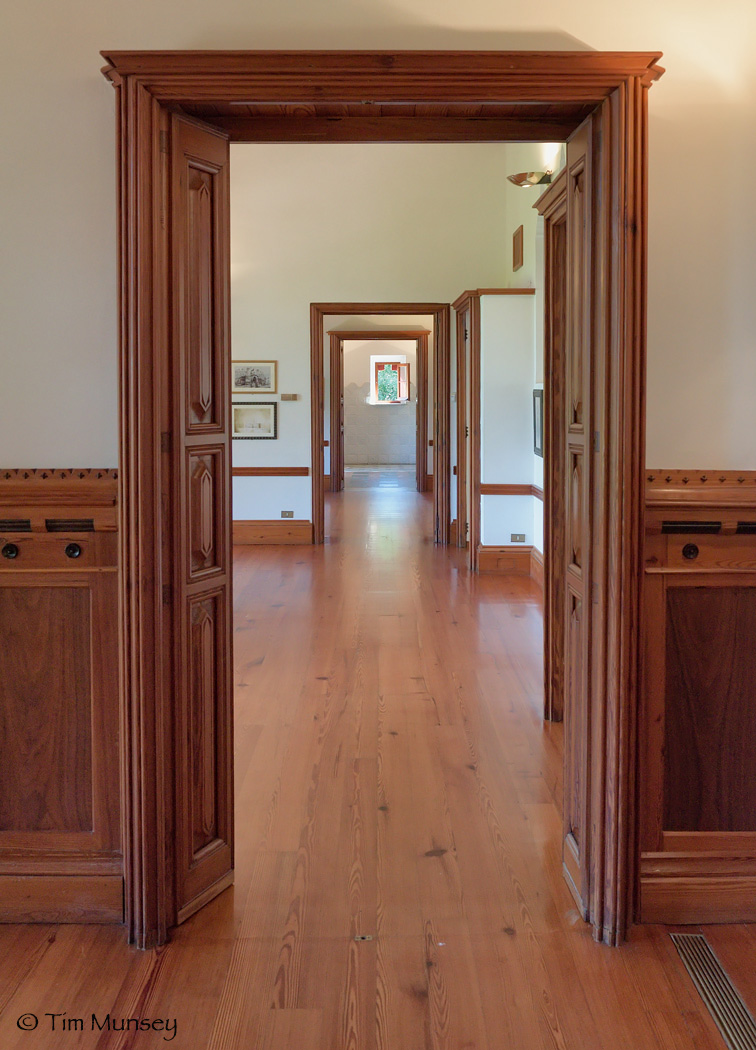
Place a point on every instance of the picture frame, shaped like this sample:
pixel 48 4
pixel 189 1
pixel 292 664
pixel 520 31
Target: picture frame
pixel 254 420
pixel 517 249
pixel 254 377
pixel 538 422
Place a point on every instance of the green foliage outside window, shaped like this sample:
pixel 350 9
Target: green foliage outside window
pixel 388 384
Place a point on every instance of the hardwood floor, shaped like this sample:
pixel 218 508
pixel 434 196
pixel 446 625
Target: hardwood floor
pixel 395 784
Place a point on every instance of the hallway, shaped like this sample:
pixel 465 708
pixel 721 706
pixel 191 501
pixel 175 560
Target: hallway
pixel 398 833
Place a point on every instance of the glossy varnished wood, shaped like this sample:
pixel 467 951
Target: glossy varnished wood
pixel 149 86
pixel 393 780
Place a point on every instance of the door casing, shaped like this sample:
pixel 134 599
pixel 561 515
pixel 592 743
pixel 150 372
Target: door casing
pixel 336 375
pixel 528 88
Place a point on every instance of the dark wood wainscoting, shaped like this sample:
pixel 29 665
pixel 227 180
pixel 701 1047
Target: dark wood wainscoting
pixel 698 750
pixel 61 857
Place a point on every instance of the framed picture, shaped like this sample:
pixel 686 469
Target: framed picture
pixel 538 422
pixel 254 377
pixel 517 249
pixel 254 419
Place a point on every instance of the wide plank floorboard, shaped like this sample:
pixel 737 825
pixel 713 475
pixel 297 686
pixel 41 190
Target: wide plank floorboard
pixel 398 881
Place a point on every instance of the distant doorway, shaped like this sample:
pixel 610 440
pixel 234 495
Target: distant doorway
pixel 432 404
pixel 379 387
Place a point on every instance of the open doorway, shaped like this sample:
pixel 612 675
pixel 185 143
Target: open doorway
pixel 175 418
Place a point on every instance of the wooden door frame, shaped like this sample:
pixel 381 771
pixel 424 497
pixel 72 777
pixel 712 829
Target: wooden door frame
pixel 336 434
pixel 147 84
pixel 468 302
pixel 440 312
pixel 552 205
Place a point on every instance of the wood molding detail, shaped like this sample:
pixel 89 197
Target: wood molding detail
pixel 514 560
pixel 270 472
pixel 708 488
pixel 536 566
pixel 40 495
pixel 273 531
pixel 697 829
pixel 61 855
pixel 150 85
pixel 489 489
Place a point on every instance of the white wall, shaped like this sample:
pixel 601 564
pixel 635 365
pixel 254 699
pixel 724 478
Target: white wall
pixel 507 337
pixel 344 223
pixel 57 205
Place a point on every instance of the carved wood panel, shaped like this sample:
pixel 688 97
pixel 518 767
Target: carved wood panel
pixel 202 728
pixel 201 856
pixel 575 771
pixel 578 539
pixel 710 699
pixel 61 854
pixel 46 709
pixel 206 552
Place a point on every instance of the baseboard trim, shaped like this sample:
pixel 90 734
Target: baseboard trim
pixel 513 560
pixel 274 532
pixel 61 898
pixel 536 566
pixel 690 901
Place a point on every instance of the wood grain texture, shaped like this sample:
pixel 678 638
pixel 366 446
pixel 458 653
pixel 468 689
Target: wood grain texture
pixel 393 779
pixel 710 751
pixel 698 818
pixel 148 85
pixel 61 898
pixel 273 531
pixel 39 495
pixel 509 559
pixel 60 822
pixel 552 205
pixel 45 682
pixel 198 853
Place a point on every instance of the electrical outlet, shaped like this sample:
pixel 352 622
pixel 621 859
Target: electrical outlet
pixel 518 537
pixel 287 513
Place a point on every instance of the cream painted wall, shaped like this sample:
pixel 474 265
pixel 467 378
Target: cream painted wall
pixel 333 223
pixel 57 205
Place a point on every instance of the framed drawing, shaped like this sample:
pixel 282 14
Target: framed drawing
pixel 538 422
pixel 254 377
pixel 254 419
pixel 517 249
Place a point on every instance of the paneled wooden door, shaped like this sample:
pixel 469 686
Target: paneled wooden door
pixel 202 848
pixel 575 448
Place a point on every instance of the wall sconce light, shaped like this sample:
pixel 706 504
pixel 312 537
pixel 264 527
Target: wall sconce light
pixel 526 179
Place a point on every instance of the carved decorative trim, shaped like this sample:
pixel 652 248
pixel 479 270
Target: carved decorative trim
pixel 723 488
pixel 41 494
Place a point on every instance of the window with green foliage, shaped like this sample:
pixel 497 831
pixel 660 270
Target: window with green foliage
pixel 391 381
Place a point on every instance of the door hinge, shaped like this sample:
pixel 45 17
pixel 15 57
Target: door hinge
pixel 467 432
pixel 163 140
pixel 165 441
pixel 167 594
pixel 595 593
pixel 596 441
pixel 467 528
